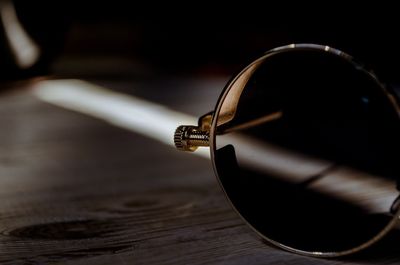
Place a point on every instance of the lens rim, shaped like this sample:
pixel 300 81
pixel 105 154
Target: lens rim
pixel 283 49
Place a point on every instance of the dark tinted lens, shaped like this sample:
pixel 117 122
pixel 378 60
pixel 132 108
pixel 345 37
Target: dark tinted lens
pixel 306 149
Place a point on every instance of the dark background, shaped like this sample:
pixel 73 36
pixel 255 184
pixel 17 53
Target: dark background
pixel 207 37
pixel 77 190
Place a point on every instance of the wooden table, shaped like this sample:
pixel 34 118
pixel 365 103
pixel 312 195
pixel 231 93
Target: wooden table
pixel 76 190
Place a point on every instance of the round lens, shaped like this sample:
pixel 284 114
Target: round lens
pixel 305 145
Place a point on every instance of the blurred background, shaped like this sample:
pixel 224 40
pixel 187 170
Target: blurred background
pixel 92 178
pixel 123 38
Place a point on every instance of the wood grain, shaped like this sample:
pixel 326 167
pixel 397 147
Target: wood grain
pixel 74 190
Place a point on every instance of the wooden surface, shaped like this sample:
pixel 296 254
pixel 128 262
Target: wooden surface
pixel 75 190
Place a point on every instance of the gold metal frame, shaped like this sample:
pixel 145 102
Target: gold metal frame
pixel 189 138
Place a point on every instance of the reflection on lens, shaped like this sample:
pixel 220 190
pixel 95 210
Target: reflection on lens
pixel 305 146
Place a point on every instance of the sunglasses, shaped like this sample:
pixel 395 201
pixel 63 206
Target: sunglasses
pixel 304 142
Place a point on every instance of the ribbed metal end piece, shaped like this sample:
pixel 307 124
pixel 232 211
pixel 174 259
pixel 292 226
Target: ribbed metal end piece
pixel 188 138
pixel 179 138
